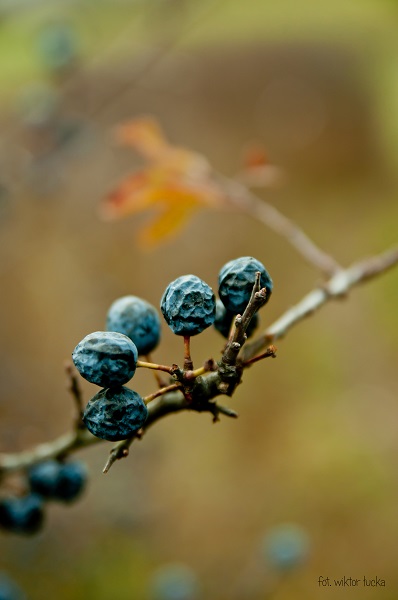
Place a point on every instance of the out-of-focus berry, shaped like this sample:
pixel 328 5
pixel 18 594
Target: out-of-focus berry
pixel 72 480
pixel 224 319
pixel 175 582
pixel 9 589
pixel 286 546
pixel 115 413
pixel 188 305
pixel 22 515
pixel 106 358
pixel 236 280
pixel 58 46
pixel 137 319
pixel 54 480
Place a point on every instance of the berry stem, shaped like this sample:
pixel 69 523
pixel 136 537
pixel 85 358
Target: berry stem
pixel 163 390
pixel 149 365
pixel 188 364
pixel 159 380
pixel 270 351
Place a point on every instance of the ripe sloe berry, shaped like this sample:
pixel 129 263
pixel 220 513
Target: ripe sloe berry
pixel 224 318
pixel 137 319
pixel 106 358
pixel 22 515
pixel 115 413
pixel 236 280
pixel 188 305
pixel 58 481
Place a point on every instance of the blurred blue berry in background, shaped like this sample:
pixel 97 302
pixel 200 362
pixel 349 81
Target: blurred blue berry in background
pixel 286 546
pixel 175 582
pixel 9 589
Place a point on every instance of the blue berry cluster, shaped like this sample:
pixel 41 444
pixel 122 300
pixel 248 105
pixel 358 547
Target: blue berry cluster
pixel 109 359
pixel 48 480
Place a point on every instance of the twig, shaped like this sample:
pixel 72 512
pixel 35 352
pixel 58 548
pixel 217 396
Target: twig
pixel 337 287
pixel 212 383
pixel 269 352
pixel 245 200
pixel 162 391
pixel 74 388
pixel 148 365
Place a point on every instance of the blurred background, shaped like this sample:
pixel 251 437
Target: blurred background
pixel 312 462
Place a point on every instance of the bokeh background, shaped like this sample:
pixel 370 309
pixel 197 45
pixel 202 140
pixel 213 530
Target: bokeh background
pixel 316 443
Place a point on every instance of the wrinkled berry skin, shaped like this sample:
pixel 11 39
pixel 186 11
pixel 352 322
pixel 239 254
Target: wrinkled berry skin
pixel 115 413
pixel 9 590
pixel 137 319
pixel 188 305
pixel 224 319
pixel 22 515
pixel 58 481
pixel 106 358
pixel 236 280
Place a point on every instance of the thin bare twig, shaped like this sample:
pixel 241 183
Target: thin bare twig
pixel 245 200
pixel 211 384
pixel 337 287
pixel 73 388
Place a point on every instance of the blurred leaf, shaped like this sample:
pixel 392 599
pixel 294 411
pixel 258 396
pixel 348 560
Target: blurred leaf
pixel 176 183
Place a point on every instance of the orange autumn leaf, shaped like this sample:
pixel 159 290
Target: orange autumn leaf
pixel 176 183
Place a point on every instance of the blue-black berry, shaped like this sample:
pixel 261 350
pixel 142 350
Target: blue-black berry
pixel 188 305
pixel 23 515
pixel 106 358
pixel 115 413
pixel 72 480
pixel 43 478
pixel 58 481
pixel 224 319
pixel 236 280
pixel 137 319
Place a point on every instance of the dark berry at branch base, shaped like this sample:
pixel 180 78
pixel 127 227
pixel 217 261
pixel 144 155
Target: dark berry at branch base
pixel 115 413
pixel 106 358
pixel 43 478
pixel 72 479
pixel 22 515
pixel 236 280
pixel 58 481
pixel 137 319
pixel 224 319
pixel 188 305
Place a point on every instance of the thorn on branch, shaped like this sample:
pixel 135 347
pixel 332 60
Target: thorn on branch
pixel 73 388
pixel 269 352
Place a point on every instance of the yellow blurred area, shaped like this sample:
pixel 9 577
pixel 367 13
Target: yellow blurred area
pixel 316 441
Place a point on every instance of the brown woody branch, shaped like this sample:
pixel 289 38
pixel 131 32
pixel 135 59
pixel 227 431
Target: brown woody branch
pixel 208 384
pixel 336 287
pixel 245 200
